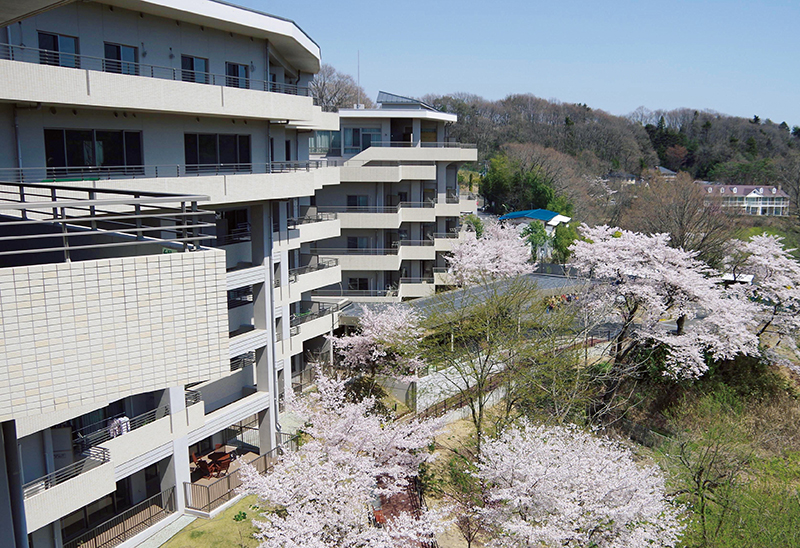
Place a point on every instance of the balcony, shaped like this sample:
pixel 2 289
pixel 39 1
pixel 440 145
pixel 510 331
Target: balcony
pixel 360 295
pixel 364 258
pixel 207 494
pixel 384 216
pixel 127 524
pixel 443 276
pixel 307 278
pixel 64 78
pixel 68 489
pixel 416 287
pixel 310 228
pixel 98 433
pixel 413 152
pixel 443 241
pixel 416 250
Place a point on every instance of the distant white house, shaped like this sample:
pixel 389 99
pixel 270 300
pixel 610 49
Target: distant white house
pixel 750 199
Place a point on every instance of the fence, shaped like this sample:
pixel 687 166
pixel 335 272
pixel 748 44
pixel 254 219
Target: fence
pixel 129 523
pixel 207 498
pixel 96 456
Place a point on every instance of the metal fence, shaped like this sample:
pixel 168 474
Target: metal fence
pixel 95 456
pixel 129 523
pixel 207 498
pixel 99 64
pixel 99 432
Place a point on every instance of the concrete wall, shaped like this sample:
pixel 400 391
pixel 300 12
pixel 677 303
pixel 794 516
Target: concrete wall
pixel 84 333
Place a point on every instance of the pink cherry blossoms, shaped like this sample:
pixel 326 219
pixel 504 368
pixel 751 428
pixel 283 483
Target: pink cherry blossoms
pixel 643 283
pixel 559 486
pixel 322 496
pixel 388 342
pixel 500 252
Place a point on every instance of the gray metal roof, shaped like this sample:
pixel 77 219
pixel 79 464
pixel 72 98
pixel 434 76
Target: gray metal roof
pixel 394 99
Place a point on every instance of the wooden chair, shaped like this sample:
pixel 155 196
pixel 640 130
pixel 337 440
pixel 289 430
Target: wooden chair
pixel 204 468
pixel 223 463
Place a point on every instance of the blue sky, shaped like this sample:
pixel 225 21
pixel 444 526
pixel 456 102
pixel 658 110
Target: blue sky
pixel 739 58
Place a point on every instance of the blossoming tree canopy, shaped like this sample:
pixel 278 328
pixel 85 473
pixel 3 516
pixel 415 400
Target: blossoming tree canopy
pixel 559 486
pixel 643 282
pixel 776 279
pixel 323 495
pixel 500 252
pixel 388 342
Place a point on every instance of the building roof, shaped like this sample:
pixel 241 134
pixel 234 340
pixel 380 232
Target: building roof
pixel 744 190
pixel 544 215
pixel 664 171
pixel 386 98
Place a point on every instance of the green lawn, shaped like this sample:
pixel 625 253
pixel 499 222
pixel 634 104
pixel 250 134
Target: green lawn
pixel 220 532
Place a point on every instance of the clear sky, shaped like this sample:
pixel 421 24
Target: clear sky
pixel 735 57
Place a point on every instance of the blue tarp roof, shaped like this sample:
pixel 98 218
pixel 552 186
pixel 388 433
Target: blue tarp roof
pixel 539 214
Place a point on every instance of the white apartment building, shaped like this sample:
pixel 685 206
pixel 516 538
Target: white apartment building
pixel 159 227
pixel 749 199
pixel 398 203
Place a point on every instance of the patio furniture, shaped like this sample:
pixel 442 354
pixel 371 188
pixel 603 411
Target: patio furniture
pixel 223 464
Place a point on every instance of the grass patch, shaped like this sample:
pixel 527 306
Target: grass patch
pixel 220 532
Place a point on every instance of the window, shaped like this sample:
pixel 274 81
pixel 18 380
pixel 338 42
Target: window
pixel 236 75
pixel 358 284
pixel 288 150
pixel 212 151
pixel 357 242
pixel 59 50
pixel 354 202
pixel 357 139
pixel 194 69
pixel 74 150
pixel 121 59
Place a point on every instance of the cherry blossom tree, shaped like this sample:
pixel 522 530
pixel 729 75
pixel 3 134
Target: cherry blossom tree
pixel 387 342
pixel 560 486
pixel 324 494
pixel 776 279
pixel 642 282
pixel 500 252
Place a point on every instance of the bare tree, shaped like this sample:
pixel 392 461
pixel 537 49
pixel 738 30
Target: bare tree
pixel 694 219
pixel 334 90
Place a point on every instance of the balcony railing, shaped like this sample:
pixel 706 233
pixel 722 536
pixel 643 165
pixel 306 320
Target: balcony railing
pixel 413 243
pixel 207 498
pixel 380 209
pixel 100 432
pixel 414 144
pixel 99 64
pixel 95 173
pixel 315 310
pixel 321 264
pixel 452 197
pixel 445 235
pixel 411 280
pixel 316 218
pixel 95 456
pixel 193 397
pixel 357 251
pixel 128 524
pixel 354 293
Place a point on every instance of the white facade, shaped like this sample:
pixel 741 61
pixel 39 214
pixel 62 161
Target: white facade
pixel 749 199
pixel 398 203
pixel 188 350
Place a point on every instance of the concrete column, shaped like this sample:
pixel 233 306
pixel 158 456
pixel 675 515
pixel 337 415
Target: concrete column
pixel 15 529
pixel 263 305
pixel 416 131
pixel 177 472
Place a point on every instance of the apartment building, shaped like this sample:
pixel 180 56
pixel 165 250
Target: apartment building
pixel 157 258
pixel 398 203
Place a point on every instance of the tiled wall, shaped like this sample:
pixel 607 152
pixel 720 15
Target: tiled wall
pixel 74 334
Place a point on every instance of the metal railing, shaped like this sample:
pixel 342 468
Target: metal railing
pixel 240 296
pixel 303 380
pixel 193 397
pixel 100 432
pixel 235 236
pixel 428 204
pixel 321 264
pixel 99 64
pixel 412 280
pixel 357 251
pixel 354 293
pixel 150 171
pixel 422 144
pixel 452 197
pixel 413 243
pixel 207 498
pixel 316 218
pixel 128 524
pixel 95 456
pixel 315 310
pixel 447 235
